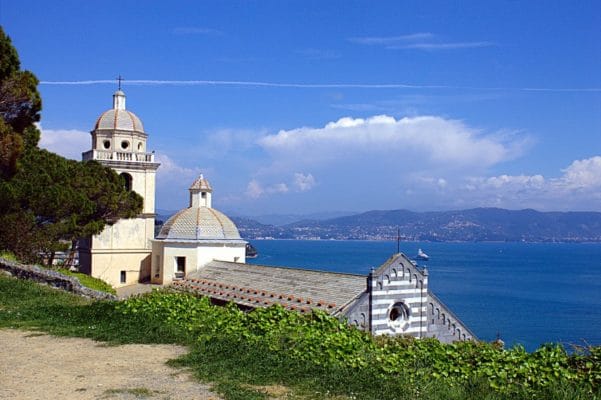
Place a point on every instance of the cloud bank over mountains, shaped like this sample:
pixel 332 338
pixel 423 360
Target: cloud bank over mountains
pixel 419 163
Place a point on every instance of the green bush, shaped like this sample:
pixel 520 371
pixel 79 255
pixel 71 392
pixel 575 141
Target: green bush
pixel 321 341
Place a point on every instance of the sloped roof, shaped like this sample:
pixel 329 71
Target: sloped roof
pixel 201 183
pixel 259 285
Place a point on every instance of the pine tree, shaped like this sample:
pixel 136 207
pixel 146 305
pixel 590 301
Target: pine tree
pixel 46 201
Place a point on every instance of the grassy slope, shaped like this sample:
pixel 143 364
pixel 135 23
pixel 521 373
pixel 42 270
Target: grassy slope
pixel 89 281
pixel 237 368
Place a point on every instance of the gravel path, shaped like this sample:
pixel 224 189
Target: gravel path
pixel 40 366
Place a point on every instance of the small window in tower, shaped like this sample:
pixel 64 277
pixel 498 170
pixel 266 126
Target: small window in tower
pixel 107 144
pixel 124 144
pixel 140 146
pixel 203 195
pixel 123 277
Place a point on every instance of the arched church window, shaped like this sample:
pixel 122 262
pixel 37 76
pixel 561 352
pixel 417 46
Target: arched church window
pixel 124 144
pixel 106 144
pixel 140 146
pixel 127 180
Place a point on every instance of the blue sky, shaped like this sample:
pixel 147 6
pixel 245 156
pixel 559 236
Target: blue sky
pixel 301 107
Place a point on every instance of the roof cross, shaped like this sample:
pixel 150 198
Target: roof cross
pixel 119 79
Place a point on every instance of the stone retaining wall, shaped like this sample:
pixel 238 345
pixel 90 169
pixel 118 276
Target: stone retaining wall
pixel 52 278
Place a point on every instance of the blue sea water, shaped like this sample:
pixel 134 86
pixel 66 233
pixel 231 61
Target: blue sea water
pixel 528 293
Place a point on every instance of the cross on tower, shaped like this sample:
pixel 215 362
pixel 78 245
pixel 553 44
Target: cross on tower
pixel 119 79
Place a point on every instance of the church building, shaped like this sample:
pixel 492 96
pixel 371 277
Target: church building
pixel 193 237
pixel 199 250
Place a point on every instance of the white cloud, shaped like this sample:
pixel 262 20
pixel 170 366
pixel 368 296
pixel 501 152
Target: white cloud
pixel 392 39
pixel 169 169
pixel 303 182
pixel 173 181
pixel 419 41
pixel 442 46
pixel 583 174
pixel 579 188
pixel 429 139
pixel 188 30
pixel 254 189
pixel 69 143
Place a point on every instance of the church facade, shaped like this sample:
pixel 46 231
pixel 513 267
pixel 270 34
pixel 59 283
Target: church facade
pixel 199 249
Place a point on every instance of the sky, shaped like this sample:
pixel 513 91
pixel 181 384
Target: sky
pixel 298 107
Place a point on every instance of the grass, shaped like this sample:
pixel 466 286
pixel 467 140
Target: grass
pixel 238 369
pixel 84 279
pixel 27 305
pixel 7 255
pixel 89 281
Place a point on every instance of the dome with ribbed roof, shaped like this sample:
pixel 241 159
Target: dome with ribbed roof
pixel 199 223
pixel 118 118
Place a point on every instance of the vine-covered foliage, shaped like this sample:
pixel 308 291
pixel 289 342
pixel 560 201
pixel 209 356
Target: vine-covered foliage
pixel 327 342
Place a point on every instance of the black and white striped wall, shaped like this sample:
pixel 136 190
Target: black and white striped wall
pixel 397 302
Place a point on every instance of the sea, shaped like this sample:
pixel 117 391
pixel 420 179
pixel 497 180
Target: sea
pixel 526 294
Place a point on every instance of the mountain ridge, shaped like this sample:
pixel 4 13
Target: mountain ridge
pixel 475 224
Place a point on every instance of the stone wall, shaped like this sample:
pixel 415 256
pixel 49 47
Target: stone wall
pixel 443 324
pixel 52 278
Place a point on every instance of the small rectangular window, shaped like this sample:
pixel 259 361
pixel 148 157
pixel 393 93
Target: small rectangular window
pixel 157 266
pixel 180 267
pixel 123 277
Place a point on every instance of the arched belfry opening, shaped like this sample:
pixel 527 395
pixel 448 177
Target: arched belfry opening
pixel 127 181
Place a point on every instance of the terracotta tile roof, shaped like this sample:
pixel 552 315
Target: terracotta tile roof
pixel 261 286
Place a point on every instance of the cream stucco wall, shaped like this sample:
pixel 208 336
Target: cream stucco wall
pixel 134 233
pixel 143 183
pixel 196 253
pixel 109 266
pixel 136 140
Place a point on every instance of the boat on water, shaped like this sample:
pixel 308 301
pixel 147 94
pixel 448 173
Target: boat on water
pixel 421 255
pixel 251 252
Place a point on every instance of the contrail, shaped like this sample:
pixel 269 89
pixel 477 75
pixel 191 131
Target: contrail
pixel 149 82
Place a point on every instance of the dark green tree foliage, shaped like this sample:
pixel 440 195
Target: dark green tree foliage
pixel 51 201
pixel 20 106
pixel 47 201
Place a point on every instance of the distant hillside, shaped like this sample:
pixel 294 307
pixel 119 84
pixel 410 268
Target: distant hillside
pixel 479 224
pixel 285 219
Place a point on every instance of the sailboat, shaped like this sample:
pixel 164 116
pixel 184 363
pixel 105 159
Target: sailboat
pixel 421 255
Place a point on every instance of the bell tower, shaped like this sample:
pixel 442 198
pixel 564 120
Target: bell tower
pixel 121 254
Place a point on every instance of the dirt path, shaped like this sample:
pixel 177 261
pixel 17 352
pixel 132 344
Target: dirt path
pixel 39 366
